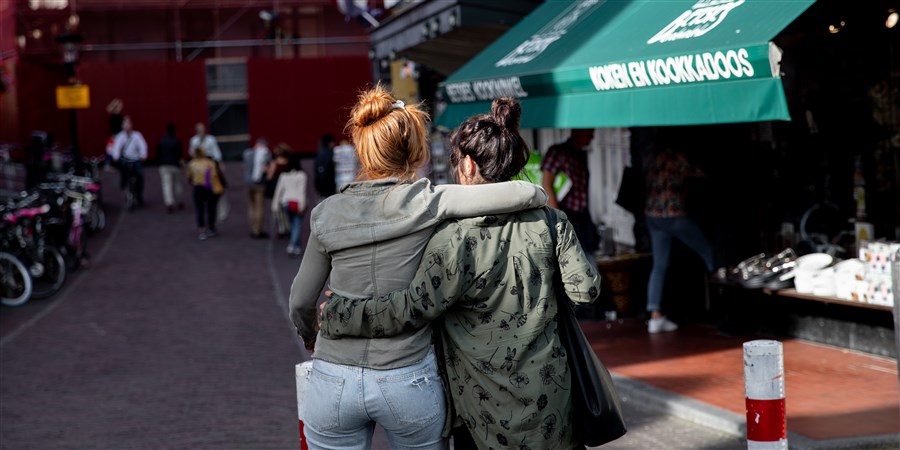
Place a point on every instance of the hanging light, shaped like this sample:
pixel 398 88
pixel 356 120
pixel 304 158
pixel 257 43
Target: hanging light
pixel 834 29
pixel 892 18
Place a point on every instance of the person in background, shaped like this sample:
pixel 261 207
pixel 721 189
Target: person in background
pixel 274 169
pixel 129 150
pixel 368 240
pixel 207 141
pixel 667 218
pixel 256 159
pixel 207 185
pixel 170 156
pixel 35 166
pixel 324 178
pixel 569 160
pixel 491 278
pixel 289 199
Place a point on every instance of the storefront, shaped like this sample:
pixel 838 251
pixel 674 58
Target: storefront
pixel 709 74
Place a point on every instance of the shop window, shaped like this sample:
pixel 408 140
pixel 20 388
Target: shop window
pixel 226 77
pixel 228 123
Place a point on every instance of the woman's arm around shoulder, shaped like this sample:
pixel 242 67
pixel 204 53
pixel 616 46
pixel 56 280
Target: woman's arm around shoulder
pixel 438 283
pixel 456 200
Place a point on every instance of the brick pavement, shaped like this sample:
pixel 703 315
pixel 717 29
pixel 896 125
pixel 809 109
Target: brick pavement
pixel 169 343
pixel 835 397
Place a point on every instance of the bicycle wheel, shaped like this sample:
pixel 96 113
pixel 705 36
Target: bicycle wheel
pixel 76 249
pixel 48 273
pixel 96 219
pixel 15 283
pixel 130 200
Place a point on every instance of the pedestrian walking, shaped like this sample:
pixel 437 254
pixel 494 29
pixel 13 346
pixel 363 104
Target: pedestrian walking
pixel 129 151
pixel 256 159
pixel 274 169
pixel 170 156
pixel 567 161
pixel 205 140
pixel 324 178
pixel 289 199
pixel 207 185
pixel 667 218
pixel 367 240
pixel 491 278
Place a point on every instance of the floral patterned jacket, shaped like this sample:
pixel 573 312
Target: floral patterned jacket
pixel 491 278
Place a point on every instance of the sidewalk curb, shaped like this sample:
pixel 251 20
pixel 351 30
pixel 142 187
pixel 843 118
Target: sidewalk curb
pixel 729 422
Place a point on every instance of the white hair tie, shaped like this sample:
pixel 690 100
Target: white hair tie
pixel 398 104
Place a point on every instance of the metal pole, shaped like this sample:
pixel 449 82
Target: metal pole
pixel 895 282
pixel 764 390
pixel 73 122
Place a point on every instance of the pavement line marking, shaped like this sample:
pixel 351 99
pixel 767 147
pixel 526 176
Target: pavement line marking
pixel 64 293
pixel 280 298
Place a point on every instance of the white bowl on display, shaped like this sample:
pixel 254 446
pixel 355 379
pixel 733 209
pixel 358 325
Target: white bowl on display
pixel 807 269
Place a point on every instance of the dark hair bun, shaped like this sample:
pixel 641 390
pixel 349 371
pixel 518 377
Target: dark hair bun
pixel 371 106
pixel 507 112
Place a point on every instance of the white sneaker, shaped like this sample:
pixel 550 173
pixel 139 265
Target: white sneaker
pixel 661 325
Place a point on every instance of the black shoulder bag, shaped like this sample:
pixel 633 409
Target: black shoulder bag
pixel 597 414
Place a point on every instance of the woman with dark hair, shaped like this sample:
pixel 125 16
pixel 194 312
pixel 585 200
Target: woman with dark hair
pixel 368 240
pixel 491 280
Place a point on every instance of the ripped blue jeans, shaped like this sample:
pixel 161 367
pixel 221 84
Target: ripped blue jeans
pixel 345 402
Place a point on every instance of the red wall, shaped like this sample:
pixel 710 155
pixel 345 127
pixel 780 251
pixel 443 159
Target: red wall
pixel 154 93
pixel 297 100
pixel 35 91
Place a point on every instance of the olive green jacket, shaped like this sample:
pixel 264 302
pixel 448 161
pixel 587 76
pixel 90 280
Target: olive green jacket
pixel 492 280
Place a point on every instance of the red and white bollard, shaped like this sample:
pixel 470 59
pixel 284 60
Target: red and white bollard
pixel 301 372
pixel 764 388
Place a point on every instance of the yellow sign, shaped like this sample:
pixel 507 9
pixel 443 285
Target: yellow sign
pixel 73 97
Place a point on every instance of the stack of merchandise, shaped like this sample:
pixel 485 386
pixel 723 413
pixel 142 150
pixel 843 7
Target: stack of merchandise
pixel 874 285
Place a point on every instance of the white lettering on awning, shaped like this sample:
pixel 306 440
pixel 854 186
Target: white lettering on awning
pixel 485 90
pixel 697 21
pixel 709 66
pixel 549 33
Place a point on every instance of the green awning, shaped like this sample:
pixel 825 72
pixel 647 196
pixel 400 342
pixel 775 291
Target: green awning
pixel 616 63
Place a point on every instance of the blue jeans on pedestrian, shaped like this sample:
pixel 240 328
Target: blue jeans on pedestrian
pixel 344 403
pixel 662 230
pixel 296 223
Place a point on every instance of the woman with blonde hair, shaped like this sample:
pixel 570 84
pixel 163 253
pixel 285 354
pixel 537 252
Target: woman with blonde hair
pixel 368 240
pixel 491 279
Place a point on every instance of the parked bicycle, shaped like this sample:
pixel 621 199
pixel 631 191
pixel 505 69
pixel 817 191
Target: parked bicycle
pixel 15 282
pixel 25 237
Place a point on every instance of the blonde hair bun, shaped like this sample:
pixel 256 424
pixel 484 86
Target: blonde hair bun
pixel 390 137
pixel 371 106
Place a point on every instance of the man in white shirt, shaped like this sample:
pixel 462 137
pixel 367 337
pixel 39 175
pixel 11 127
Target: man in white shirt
pixel 255 161
pixel 129 150
pixel 207 141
